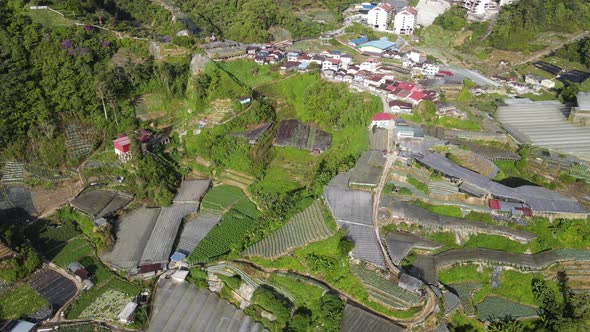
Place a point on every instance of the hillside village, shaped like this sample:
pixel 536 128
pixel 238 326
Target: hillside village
pixel 360 179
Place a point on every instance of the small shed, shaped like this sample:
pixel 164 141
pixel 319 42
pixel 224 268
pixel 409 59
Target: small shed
pixel 100 222
pixel 126 315
pixel 177 257
pixel 245 100
pixel 122 146
pixel 410 283
pixel 180 275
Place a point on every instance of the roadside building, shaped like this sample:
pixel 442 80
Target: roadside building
pixel 397 106
pixel 377 47
pixel 382 120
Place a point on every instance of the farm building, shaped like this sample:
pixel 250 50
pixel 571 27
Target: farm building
pixel 244 100
pixel 146 236
pixel 101 203
pixel 353 210
pixel 19 326
pixel 540 200
pixel 122 146
pixel 581 113
pixel 180 306
pixel 355 319
pixel 126 315
pixel 545 124
pixel 377 46
pixel 358 41
pixel 368 169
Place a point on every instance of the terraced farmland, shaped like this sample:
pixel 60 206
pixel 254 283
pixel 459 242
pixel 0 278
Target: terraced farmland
pixel 13 172
pixel 497 308
pixel 221 197
pixel 307 226
pixel 385 291
pixel 228 234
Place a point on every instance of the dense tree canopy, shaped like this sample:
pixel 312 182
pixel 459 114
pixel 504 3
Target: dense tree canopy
pixel 576 52
pixel 518 23
pixel 453 19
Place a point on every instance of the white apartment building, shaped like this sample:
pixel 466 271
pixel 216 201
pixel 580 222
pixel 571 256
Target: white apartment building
pixel 479 7
pixel 380 16
pixel 404 21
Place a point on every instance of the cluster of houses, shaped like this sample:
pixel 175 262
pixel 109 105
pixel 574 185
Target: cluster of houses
pixel 327 60
pixel 531 83
pixel 385 16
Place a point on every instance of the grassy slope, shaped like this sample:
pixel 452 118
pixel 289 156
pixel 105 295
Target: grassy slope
pixel 20 300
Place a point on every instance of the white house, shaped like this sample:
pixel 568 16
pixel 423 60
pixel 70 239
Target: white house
pixel 332 64
pixel 380 16
pixel 430 69
pixel 404 21
pixel 370 65
pixel 479 7
pixel 549 84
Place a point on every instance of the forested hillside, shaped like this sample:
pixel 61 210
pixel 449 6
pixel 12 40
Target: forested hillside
pixel 249 20
pixel 576 52
pixel 54 77
pixel 520 22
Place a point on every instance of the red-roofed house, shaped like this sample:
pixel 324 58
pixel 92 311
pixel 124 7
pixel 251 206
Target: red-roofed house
pixel 382 120
pixel 122 146
pixel 416 96
pixel 406 86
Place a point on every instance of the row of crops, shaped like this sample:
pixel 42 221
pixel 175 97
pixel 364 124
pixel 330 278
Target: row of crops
pixel 464 291
pixel 221 197
pixel 227 235
pixel 306 226
pixel 497 308
pixel 13 172
pixel 381 287
pixel 49 174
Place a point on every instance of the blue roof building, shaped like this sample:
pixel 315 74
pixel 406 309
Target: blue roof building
pixel 177 257
pixel 359 41
pixel 377 46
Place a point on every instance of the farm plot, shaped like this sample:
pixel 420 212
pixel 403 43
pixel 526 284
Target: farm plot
pixel 368 169
pixel 107 306
pixel 191 191
pixel 133 232
pixel 56 289
pixel 355 319
pixel 20 197
pixel 221 197
pixel 13 172
pixel 83 327
pixel 297 134
pixel 307 226
pixel 366 243
pixel 159 246
pixel 253 134
pixel 99 203
pixel 378 139
pixel 195 231
pixel 73 251
pixel 497 308
pixel 385 291
pixel 19 300
pixel 79 140
pixel 348 205
pixel 49 237
pixel 49 174
pixel 228 234
pixel 183 307
pixel 464 291
pixel 89 297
